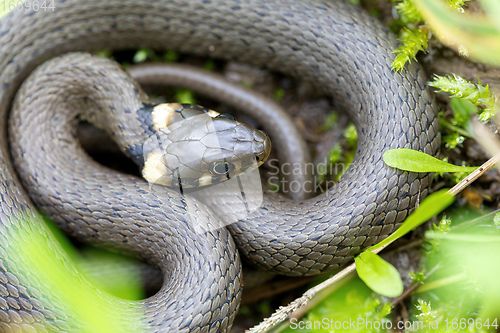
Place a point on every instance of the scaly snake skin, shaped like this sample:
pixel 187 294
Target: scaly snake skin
pixel 332 45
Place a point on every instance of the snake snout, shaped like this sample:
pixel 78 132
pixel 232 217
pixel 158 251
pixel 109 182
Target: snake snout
pixel 262 146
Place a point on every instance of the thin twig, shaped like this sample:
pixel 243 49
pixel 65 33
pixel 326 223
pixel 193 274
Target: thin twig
pixel 407 292
pixel 491 144
pixel 475 175
pixel 319 291
pixel 284 312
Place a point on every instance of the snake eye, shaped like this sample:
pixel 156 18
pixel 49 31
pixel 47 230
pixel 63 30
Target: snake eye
pixel 225 116
pixel 221 168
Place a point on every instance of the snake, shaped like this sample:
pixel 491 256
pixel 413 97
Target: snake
pixel 332 45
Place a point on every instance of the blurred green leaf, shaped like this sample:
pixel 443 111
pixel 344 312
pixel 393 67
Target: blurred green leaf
pixel 335 153
pixel 378 274
pixel 463 110
pixel 480 35
pixel 3 9
pixel 330 121
pixel 48 257
pixel 471 251
pixel 112 272
pixel 457 4
pixel 141 55
pixel 453 140
pixel 351 136
pixel 278 94
pixel 171 56
pixel 185 96
pixel 492 7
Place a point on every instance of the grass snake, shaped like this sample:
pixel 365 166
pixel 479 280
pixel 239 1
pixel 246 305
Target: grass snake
pixel 333 45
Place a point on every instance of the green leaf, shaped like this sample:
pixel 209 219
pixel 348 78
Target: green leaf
pixel 417 277
pixel 386 309
pixel 351 135
pixel 335 153
pixel 171 56
pixel 430 207
pixel 453 140
pixel 101 267
pixel 496 220
pixel 278 94
pixel 330 121
pixel 141 56
pixel 378 274
pixel 184 96
pixel 350 303
pixel 416 161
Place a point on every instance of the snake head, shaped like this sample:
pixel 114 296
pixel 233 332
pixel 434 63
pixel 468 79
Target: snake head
pixel 200 147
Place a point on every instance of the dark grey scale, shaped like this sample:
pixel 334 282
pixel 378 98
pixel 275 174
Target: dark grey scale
pixel 145 118
pixel 189 110
pixel 136 153
pixel 225 116
pixel 194 107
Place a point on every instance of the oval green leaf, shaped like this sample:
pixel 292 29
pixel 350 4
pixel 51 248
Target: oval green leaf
pixel 378 274
pixel 416 161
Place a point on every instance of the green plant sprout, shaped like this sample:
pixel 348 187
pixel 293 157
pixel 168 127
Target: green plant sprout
pixel 414 35
pixel 471 95
pixel 413 41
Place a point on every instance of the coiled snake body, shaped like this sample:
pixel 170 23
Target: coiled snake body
pixel 333 45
